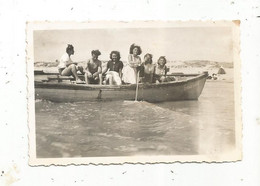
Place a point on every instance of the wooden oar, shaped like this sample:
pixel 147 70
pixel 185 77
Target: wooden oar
pixel 137 83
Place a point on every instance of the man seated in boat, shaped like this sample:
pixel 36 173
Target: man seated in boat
pixel 113 69
pixel 160 72
pixel 67 67
pixel 93 71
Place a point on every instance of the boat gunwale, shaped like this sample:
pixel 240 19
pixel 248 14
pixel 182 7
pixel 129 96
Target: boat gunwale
pixel 57 85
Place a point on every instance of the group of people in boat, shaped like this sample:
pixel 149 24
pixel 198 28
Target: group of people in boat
pixel 115 72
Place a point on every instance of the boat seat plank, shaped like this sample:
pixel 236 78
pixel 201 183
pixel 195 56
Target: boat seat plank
pixel 61 78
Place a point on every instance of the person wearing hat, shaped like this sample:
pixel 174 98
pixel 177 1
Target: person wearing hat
pixel 93 69
pixel 67 67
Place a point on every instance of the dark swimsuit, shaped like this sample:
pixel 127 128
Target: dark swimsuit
pixel 93 68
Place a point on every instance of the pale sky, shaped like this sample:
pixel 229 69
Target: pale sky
pixel 210 43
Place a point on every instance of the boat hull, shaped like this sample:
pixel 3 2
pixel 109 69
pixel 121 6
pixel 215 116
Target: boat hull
pixel 170 91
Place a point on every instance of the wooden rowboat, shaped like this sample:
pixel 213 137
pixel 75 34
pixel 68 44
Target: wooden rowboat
pixel 49 86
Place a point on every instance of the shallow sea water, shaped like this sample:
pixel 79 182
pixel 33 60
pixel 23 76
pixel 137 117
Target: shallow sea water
pixel 125 128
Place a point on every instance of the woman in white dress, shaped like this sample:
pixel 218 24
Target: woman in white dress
pixel 134 60
pixel 113 69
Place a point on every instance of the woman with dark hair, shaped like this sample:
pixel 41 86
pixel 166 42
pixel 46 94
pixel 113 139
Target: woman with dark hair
pixel 113 69
pixel 160 70
pixel 148 68
pixel 94 69
pixel 67 67
pixel 134 61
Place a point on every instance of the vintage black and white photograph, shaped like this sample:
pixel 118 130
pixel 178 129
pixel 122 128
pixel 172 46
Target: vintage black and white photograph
pixel 116 92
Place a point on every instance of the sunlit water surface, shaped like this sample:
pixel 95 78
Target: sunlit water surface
pixel 125 128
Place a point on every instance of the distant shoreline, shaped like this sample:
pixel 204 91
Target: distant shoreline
pixel 186 67
pixel 171 64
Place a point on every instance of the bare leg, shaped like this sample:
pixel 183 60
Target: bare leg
pixel 86 78
pixel 80 68
pixel 74 71
pixel 100 79
pixel 70 70
pixel 110 80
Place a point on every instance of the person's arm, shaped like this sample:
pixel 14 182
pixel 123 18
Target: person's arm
pixel 120 73
pixel 120 69
pixel 131 62
pixel 99 70
pixel 140 68
pixel 129 59
pixel 88 73
pixel 106 68
pixel 166 70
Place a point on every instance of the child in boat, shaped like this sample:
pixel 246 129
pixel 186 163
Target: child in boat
pixel 134 61
pixel 148 68
pixel 160 70
pixel 113 69
pixel 93 69
pixel 67 67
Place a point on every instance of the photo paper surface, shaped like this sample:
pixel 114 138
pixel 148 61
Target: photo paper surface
pixel 154 92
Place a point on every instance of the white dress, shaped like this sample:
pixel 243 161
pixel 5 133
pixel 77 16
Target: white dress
pixel 129 74
pixel 115 77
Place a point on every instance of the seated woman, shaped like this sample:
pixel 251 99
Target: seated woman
pixel 67 67
pixel 160 70
pixel 113 69
pixel 93 69
pixel 134 61
pixel 148 69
